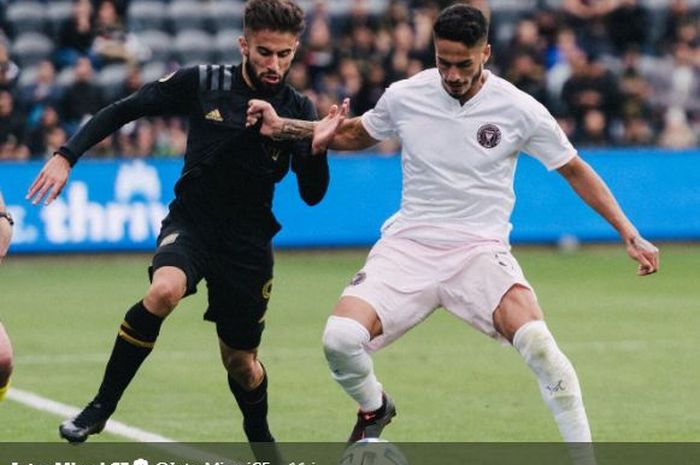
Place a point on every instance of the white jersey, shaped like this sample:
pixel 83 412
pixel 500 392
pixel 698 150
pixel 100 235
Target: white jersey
pixel 459 160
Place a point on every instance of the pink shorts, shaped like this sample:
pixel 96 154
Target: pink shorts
pixel 405 281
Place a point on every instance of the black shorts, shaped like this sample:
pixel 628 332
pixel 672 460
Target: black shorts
pixel 238 272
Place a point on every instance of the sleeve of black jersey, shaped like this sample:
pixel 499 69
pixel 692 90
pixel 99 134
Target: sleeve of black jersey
pixel 311 170
pixel 172 95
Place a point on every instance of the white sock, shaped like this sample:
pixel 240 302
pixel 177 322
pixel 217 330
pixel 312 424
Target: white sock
pixel 557 379
pixel 351 366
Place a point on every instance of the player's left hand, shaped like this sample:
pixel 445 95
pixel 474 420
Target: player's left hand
pixel 325 130
pixel 262 111
pixel 645 253
pixel 50 181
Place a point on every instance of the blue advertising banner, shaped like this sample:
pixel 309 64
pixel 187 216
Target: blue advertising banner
pixel 118 205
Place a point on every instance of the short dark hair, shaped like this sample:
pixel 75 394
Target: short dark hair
pixel 275 15
pixel 461 23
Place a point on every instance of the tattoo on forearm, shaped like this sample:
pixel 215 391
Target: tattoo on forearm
pixel 293 129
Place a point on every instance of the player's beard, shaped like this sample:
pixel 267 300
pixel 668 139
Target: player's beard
pixel 261 86
pixel 474 81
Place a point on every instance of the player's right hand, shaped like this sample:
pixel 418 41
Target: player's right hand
pixel 644 252
pixel 50 181
pixel 262 111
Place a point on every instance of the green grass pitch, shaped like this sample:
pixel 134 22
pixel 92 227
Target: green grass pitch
pixel 633 341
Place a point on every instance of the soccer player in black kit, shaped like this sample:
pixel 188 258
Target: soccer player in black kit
pixel 220 224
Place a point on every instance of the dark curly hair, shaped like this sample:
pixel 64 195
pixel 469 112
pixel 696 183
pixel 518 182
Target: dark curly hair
pixel 275 15
pixel 462 23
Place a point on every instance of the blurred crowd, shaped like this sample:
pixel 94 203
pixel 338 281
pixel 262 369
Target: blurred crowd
pixel 613 72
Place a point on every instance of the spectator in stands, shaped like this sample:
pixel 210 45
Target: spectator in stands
pixel 675 80
pixel 628 25
pixel 132 83
pixel 526 40
pixel 372 88
pixel 358 18
pixel 678 15
pixel 635 107
pixel 677 133
pixel 36 140
pixel 298 77
pixel 318 55
pixel 592 130
pixel 351 79
pixel 76 34
pixel 43 92
pixel 591 87
pixel 11 129
pixel 423 20
pixel 9 71
pixel 176 138
pixel 559 62
pixel 401 52
pixel 83 98
pixel 587 18
pixel 110 44
pixel 54 138
pixel 528 75
pixel 637 132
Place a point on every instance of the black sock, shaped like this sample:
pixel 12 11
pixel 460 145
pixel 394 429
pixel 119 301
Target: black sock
pixel 253 405
pixel 136 338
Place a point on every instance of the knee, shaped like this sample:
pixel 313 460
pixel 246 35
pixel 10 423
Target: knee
pixel 343 336
pixel 163 296
pixel 245 370
pixel 535 343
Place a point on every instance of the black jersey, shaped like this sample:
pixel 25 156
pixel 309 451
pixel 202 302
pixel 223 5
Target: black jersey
pixel 230 171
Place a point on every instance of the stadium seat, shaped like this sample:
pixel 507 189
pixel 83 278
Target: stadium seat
pixel 506 14
pixel 27 77
pixel 58 12
pixel 146 14
pixel 225 15
pixel 24 17
pixel 65 77
pixel 193 47
pixel 187 15
pixel 158 42
pixel 227 46
pixel 31 47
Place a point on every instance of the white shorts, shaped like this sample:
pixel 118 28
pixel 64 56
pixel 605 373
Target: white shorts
pixel 405 281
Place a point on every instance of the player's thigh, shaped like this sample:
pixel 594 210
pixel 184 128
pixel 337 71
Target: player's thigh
pixel 178 265
pixel 361 311
pixel 379 291
pixel 239 288
pixel 518 306
pixel 476 293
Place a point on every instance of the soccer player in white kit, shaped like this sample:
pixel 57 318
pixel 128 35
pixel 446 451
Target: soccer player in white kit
pixel 461 129
pixel 6 224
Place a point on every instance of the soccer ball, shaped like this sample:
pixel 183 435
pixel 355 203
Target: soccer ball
pixel 372 451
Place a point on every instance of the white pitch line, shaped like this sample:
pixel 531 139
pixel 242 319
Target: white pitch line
pixel 57 408
pixel 114 427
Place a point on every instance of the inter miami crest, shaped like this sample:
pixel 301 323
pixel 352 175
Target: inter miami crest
pixel 489 135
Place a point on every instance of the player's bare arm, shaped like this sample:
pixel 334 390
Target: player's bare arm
pixel 321 132
pixel 50 181
pixel 593 190
pixel 5 230
pixel 352 135
pixel 334 131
